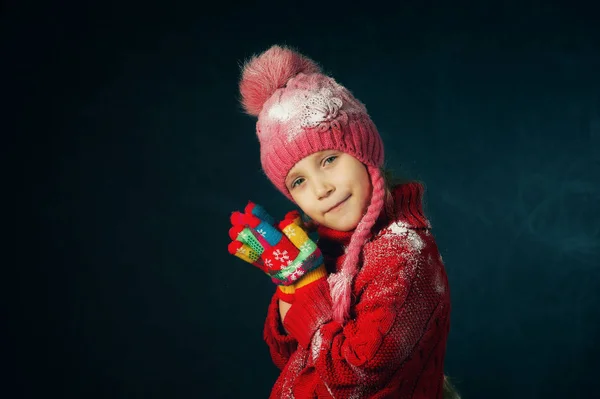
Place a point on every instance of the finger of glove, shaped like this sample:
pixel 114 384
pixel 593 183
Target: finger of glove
pixel 259 212
pixel 300 219
pixel 250 237
pixel 246 253
pixel 244 219
pixel 297 235
pixel 294 216
pixel 263 231
pixel 266 230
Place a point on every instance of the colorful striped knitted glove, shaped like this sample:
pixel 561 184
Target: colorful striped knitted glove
pixel 286 254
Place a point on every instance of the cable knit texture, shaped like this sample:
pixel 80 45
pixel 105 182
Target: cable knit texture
pixel 394 343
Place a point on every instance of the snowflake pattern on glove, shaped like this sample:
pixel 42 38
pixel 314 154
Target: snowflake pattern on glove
pixel 281 256
pixel 305 247
pixel 268 263
pixel 291 232
pixel 297 274
pixel 261 232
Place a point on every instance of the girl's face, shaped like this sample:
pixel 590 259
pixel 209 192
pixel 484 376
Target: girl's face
pixel 321 181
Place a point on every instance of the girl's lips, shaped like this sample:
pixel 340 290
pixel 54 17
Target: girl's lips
pixel 338 206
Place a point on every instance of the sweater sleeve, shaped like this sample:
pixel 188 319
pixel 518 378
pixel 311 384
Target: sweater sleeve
pixel 281 346
pixel 389 318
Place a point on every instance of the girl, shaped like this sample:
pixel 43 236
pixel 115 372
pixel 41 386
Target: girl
pixel 365 311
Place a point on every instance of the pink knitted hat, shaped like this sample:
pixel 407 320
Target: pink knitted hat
pixel 302 111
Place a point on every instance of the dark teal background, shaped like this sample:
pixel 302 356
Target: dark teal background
pixel 124 134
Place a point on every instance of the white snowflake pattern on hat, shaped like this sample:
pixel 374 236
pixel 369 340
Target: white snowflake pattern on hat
pixel 305 109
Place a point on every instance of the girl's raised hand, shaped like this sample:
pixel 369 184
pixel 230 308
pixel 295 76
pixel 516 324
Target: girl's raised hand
pixel 285 253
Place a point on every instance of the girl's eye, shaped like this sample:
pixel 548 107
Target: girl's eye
pixel 332 158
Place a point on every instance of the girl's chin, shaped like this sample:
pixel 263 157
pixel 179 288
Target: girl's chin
pixel 344 224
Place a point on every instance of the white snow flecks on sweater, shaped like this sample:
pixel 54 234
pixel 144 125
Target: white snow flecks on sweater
pixel 296 364
pixel 316 345
pixel 315 350
pixel 403 229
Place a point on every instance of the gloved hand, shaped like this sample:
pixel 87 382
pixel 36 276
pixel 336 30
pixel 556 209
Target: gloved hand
pixel 285 253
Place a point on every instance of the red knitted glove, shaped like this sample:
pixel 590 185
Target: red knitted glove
pixel 291 259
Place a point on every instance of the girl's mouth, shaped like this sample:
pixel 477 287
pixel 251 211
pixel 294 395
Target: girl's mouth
pixel 338 206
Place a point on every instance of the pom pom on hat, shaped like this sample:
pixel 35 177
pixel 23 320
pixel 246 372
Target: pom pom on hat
pixel 262 75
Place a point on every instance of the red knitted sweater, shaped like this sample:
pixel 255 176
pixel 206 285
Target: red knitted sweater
pixel 394 344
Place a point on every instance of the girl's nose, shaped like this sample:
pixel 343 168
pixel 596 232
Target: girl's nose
pixel 323 190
